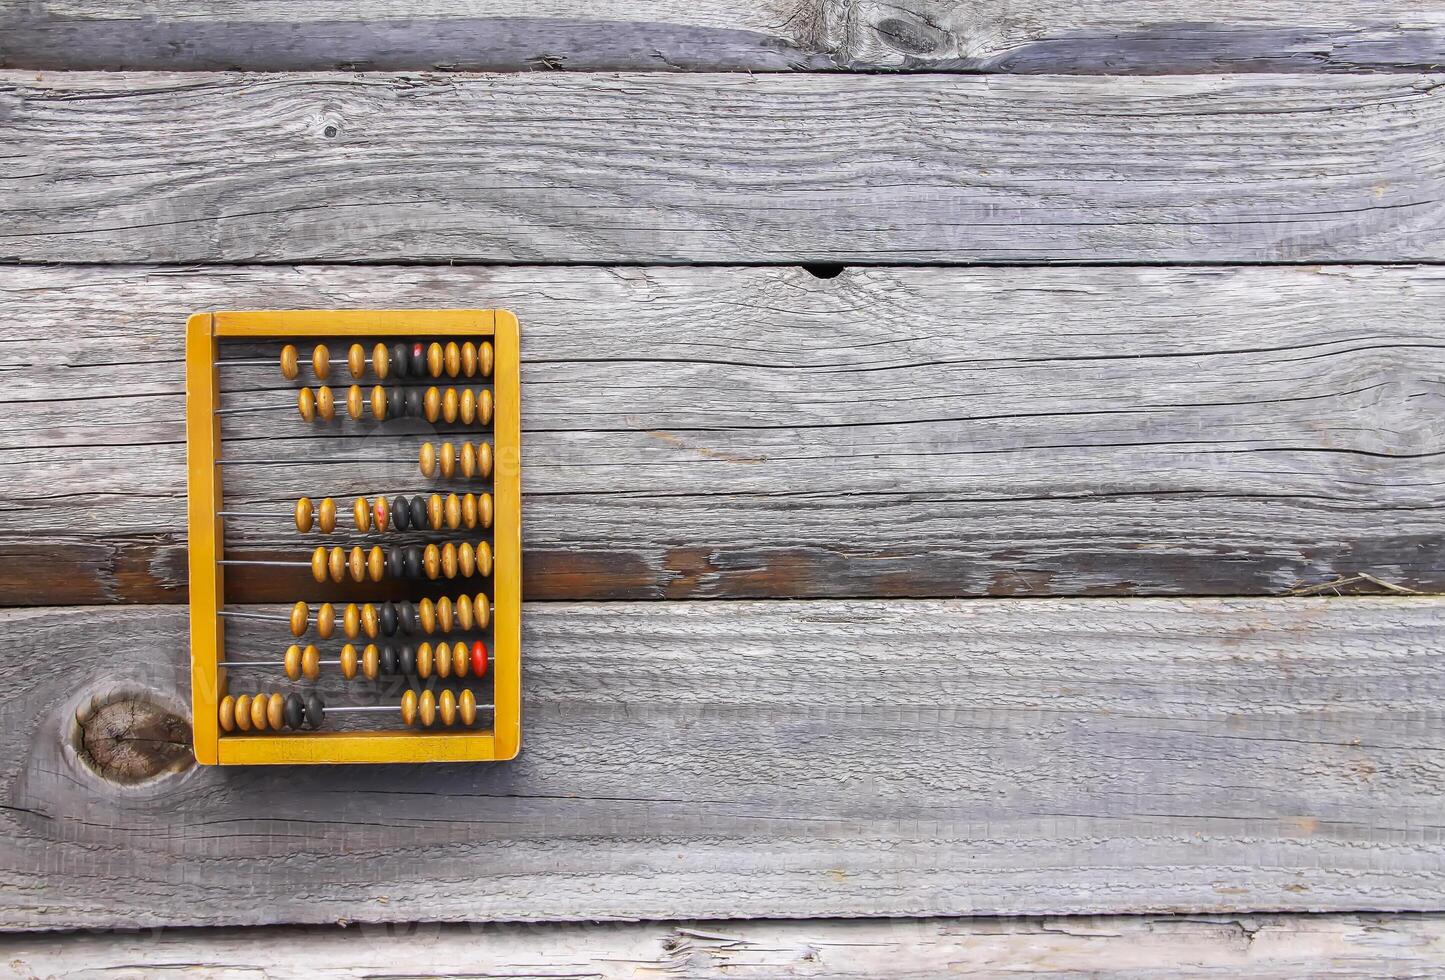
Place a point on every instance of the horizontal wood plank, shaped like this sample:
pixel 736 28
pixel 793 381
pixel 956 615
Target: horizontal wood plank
pixel 659 168
pixel 760 432
pixel 781 759
pixel 1019 36
pixel 1263 947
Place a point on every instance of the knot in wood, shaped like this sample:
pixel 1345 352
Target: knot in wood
pixel 131 737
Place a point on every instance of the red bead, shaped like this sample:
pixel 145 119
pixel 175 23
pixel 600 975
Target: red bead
pixel 416 350
pixel 382 514
pixel 479 658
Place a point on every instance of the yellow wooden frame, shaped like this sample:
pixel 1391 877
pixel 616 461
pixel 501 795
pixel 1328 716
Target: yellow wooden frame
pixel 207 579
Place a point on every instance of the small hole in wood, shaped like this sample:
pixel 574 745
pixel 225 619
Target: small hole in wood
pixel 823 270
pixel 330 132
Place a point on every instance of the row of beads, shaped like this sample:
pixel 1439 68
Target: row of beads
pixel 435 405
pixel 468 360
pixel 458 660
pixel 277 712
pixel 453 511
pixel 389 618
pixel 448 560
pixel 473 460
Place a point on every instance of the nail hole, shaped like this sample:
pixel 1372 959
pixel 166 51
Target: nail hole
pixel 330 132
pixel 823 270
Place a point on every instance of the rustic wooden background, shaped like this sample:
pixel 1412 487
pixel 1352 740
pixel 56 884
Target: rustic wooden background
pixel 1051 369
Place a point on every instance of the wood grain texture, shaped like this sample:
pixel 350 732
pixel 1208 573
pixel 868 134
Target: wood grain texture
pixel 759 432
pixel 1262 947
pixel 1020 36
pixel 784 759
pixel 552 167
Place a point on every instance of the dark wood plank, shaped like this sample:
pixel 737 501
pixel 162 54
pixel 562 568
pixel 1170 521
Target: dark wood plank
pixel 1263 947
pixel 552 167
pixel 765 759
pixel 761 432
pixel 1018 36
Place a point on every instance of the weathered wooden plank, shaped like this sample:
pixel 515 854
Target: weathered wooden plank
pixel 786 759
pixel 731 432
pixel 1264 947
pixel 1023 36
pixel 553 167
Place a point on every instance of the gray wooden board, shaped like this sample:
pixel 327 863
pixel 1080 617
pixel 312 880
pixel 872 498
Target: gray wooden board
pixel 733 432
pixel 1092 36
pixel 676 168
pixel 786 759
pixel 1280 947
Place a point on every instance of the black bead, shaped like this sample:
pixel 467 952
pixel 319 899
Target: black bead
pixel 388 619
pixel 401 513
pixel 418 361
pixel 399 360
pixel 413 561
pixel 395 563
pixel 418 512
pixel 295 711
pixel 396 403
pixel 413 402
pixel 406 661
pixel 388 659
pixel 407 613
pixel 315 712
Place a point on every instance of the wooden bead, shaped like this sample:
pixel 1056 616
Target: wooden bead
pixel 442 660
pixel 376 563
pixel 484 359
pixel 351 621
pixel 467 406
pixel 291 662
pixel 325 403
pixel 356 360
pixel 243 712
pixel 449 405
pixel 304 515
pixel 431 560
pixel 336 564
pixel 311 662
pixel 306 404
pixel 484 407
pixel 380 361
pixel 452 511
pixel 447 460
pixel 482 610
pixel 479 659
pixel 276 711
pixel 428 459
pixel 447 707
pixel 466 559
pixel 459 659
pixel 348 662
pixel 378 403
pixel 434 511
pixel 355 403
pixel 370 620
pixel 484 559
pixel 318 564
pixel 226 714
pixel 467 707
pixel 300 615
pixel 484 509
pixel 444 614
pixel 452 358
pixel 484 459
pixel 408 707
pixel 435 359
pixel 371 661
pixel 464 612
pixel 290 366
pixel 356 564
pixel 469 460
pixel 423 661
pixel 431 404
pixel 469 359
pixel 321 361
pixel 361 514
pixel 469 510
pixel 382 512
pixel 427 614
pixel 426 709
pixel 326 515
pixel 258 712
pixel 325 621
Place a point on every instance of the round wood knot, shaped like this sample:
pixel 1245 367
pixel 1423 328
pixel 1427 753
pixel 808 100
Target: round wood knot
pixel 129 737
pixel 912 35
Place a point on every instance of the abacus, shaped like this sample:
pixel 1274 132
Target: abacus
pixel 412 678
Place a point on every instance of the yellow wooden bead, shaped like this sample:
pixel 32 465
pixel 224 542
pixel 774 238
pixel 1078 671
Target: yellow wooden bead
pixel 290 365
pixel 484 407
pixel 467 406
pixel 466 559
pixel 447 460
pixel 326 403
pixel 355 404
pixel 306 404
pixel 300 616
pixel 356 564
pixel 484 509
pixel 467 707
pixel 370 620
pixel 378 403
pixel 469 510
pixel 371 661
pixel 243 712
pixel 311 662
pixel 426 709
pixel 449 405
pixel 376 563
pixel 485 358
pixel 469 359
pixel 258 712
pixel 464 612
pixel 292 662
pixel 428 459
pixel 484 459
pixel 442 660
pixel 318 564
pixel 469 460
pixel 351 621
pixel 431 560
pixel 304 515
pixel 484 559
pixel 434 511
pixel 460 659
pixel 382 514
pixel 348 662
pixel 325 621
pixel 431 404
pixel 452 358
pixel 452 511
pixel 336 564
pixel 427 614
pixel 447 707
pixel 276 711
pixel 356 360
pixel 326 515
pixel 434 359
pixel 321 362
pixel 361 514
pixel 227 714
pixel 449 560
pixel 408 708
pixel 380 361
pixel 444 615
pixel 482 610
pixel 423 661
